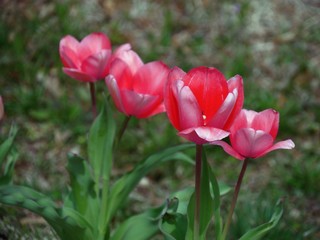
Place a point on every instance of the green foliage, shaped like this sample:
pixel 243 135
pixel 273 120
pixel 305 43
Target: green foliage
pixel 89 206
pixel 174 221
pixel 82 196
pixel 259 232
pixel 126 184
pixel 8 157
pixel 67 223
pixel 209 203
pixel 139 227
pixel 100 144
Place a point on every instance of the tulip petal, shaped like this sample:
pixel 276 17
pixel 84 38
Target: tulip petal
pixel 92 44
pixel 251 143
pixel 175 74
pixel 241 121
pixel 120 49
pixel 210 88
pixel 78 75
pixel 202 135
pixel 96 65
pixel 170 96
pixel 69 59
pixel 115 93
pixel 286 144
pixel 151 78
pixel 139 105
pixel 121 72
pixel 69 42
pixel 159 109
pixel 228 149
pixel 68 49
pixel 235 83
pixel 268 121
pixel 190 115
pixel 249 115
pixel 221 117
pixel 132 59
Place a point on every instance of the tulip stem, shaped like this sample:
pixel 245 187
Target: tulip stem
pixel 196 226
pixel 123 128
pixel 234 198
pixel 93 99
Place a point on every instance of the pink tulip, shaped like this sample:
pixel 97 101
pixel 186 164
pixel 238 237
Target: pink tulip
pixel 136 88
pixel 88 60
pixel 252 135
pixel 201 104
pixel 1 108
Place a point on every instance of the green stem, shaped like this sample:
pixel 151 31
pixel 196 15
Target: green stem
pixel 196 226
pixel 123 128
pixel 93 99
pixel 234 199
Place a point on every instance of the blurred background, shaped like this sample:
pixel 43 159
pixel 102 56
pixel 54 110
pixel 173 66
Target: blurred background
pixel 274 45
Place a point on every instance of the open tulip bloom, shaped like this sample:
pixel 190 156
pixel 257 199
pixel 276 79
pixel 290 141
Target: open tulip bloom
pixel 201 104
pixel 136 88
pixel 88 60
pixel 252 135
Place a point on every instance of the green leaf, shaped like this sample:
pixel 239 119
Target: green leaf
pixel 258 232
pixel 184 198
pixel 206 205
pixel 122 188
pixel 82 196
pixel 140 227
pixel 100 144
pixel 9 168
pixel 209 202
pixel 7 144
pixel 67 223
pixel 217 192
pixel 75 218
pixel 173 224
pixel 223 188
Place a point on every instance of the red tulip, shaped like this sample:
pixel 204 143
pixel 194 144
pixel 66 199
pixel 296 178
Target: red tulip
pixel 252 135
pixel 1 108
pixel 201 104
pixel 136 88
pixel 87 60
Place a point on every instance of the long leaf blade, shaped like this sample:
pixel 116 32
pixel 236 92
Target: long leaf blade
pixel 139 227
pixel 218 189
pixel 100 143
pixel 122 188
pixel 7 144
pixel 258 232
pixel 82 196
pixel 206 203
pixel 67 226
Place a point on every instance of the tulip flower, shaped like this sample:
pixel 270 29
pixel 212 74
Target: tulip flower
pixel 136 88
pixel 252 135
pixel 1 108
pixel 201 104
pixel 88 60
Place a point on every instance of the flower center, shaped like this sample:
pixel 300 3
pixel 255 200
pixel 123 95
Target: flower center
pixel 204 119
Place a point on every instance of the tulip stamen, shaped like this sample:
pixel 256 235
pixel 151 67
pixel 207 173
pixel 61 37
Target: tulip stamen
pixel 204 119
